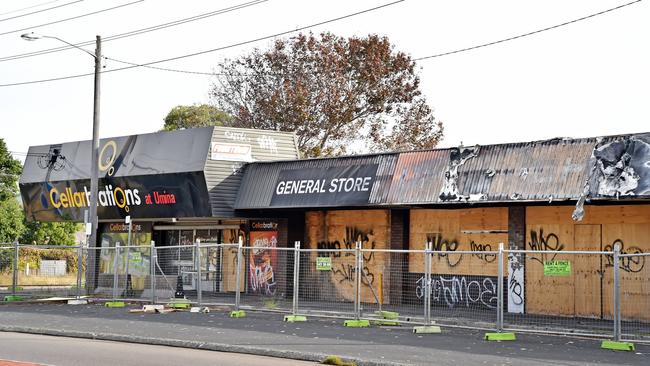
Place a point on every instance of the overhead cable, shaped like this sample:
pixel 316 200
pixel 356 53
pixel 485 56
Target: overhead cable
pixel 37 11
pixel 526 34
pixel 71 18
pixel 147 64
pixel 137 31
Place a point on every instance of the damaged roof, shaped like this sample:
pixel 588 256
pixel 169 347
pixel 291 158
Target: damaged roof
pixel 611 167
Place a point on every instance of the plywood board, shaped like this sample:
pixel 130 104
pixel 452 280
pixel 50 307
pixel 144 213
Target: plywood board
pixel 587 269
pixel 341 229
pixel 547 294
pixel 229 262
pixel 449 231
pixel 634 271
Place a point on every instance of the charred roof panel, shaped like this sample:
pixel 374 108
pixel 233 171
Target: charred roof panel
pixel 418 177
pixel 534 171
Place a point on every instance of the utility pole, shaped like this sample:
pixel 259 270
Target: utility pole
pixel 94 164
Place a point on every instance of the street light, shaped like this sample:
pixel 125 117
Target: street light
pixel 94 171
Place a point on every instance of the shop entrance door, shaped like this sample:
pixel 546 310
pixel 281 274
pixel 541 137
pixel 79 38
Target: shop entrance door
pixel 588 279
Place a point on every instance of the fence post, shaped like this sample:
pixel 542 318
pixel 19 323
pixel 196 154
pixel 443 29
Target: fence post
pixel 617 293
pixel 296 276
pixel 427 283
pixel 238 276
pixel 358 256
pixel 80 253
pixel 14 279
pixel 199 295
pixel 153 258
pixel 500 290
pixel 115 268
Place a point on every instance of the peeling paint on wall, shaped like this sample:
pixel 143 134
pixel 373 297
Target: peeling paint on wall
pixel 458 157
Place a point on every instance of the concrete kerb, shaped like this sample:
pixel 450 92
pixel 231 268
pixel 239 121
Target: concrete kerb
pixel 209 346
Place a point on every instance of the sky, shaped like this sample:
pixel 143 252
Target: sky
pixel 588 78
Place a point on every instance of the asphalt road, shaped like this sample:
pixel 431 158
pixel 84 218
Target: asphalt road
pixel 266 334
pixel 63 351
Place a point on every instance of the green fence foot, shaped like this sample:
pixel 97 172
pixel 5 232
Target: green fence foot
pixel 12 298
pixel 385 323
pixel 617 346
pixel 295 318
pixel 179 305
pixel 237 314
pixel 507 336
pixel 390 315
pixel 115 304
pixel 356 323
pixel 427 329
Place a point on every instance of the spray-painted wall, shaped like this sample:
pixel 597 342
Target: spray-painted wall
pixel 588 291
pixel 341 230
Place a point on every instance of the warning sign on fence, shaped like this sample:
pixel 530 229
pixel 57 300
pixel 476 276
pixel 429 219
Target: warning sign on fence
pixel 323 264
pixel 557 268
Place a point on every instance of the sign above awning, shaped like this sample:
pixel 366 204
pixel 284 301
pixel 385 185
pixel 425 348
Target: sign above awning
pixel 156 175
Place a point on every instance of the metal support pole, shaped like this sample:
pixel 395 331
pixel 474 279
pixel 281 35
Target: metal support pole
pixel 617 293
pixel 358 256
pixel 500 290
pixel 153 258
pixel 128 248
pixel 296 276
pixel 199 294
pixel 115 268
pixel 427 283
pixel 80 254
pixel 238 276
pixel 14 279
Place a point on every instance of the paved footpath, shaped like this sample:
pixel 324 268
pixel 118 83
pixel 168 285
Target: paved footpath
pixel 266 334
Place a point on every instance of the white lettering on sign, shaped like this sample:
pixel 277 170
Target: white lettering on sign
pixel 311 186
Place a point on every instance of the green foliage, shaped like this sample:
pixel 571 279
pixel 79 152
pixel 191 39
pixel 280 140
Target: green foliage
pixel 11 220
pixel 51 233
pixel 34 256
pixel 332 92
pixel 203 115
pixel 10 169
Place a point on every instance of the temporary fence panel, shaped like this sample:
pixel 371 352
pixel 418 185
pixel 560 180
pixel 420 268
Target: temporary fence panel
pixel 634 271
pixel 387 285
pixel 464 287
pixel 46 270
pixel 268 279
pixel 7 254
pixel 216 272
pixel 557 292
pixel 327 282
pixel 124 272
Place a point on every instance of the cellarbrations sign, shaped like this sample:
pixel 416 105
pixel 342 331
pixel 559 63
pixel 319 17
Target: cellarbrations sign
pixel 333 186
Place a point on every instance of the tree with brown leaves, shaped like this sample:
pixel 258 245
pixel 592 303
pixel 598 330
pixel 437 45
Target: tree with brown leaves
pixel 334 92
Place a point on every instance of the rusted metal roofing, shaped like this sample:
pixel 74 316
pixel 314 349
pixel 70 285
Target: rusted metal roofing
pixel 542 171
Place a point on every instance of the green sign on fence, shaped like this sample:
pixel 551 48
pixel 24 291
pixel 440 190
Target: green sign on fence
pixel 323 264
pixel 557 268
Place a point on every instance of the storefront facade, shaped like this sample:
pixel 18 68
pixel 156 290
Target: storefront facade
pixel 177 187
pixel 562 194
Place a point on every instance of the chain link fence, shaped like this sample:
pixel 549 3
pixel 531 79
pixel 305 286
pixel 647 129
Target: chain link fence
pixel 603 294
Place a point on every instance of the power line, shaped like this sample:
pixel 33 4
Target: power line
pixel 147 64
pixel 432 56
pixel 137 31
pixel 72 18
pixel 526 34
pixel 29 7
pixel 38 11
